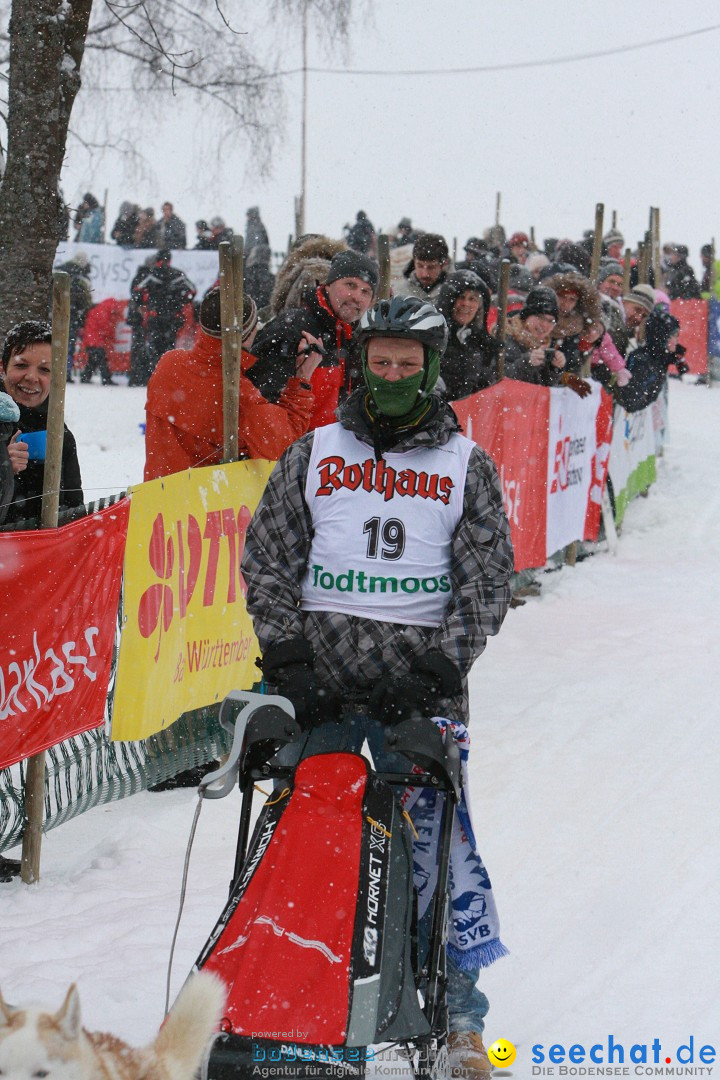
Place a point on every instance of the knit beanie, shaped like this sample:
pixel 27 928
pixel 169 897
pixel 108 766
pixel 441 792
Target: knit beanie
pixel 643 296
pixel 210 321
pixel 613 237
pixel 608 270
pixel 540 301
pixel 353 264
pixel 9 412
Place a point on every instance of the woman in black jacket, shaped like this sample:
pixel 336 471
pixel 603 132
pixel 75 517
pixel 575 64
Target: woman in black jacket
pixel 469 363
pixel 26 376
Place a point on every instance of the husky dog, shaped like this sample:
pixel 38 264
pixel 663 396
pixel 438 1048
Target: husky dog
pixel 36 1044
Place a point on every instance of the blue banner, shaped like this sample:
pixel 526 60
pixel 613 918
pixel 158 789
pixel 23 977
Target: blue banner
pixel 714 328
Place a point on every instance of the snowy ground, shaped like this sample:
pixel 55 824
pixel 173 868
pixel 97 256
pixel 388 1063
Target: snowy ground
pixel 596 793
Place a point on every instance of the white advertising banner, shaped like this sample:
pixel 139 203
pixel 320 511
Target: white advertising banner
pixel 112 267
pixel 571 448
pixel 632 456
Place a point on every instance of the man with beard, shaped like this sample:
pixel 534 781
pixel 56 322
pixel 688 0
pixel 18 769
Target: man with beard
pixel 324 323
pixel 426 273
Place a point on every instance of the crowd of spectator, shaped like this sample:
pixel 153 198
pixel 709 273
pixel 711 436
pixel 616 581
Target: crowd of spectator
pixel 562 328
pixel 138 227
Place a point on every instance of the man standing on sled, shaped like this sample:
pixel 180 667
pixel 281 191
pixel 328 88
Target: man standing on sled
pixel 377 564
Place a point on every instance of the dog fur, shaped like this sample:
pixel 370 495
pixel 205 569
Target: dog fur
pixel 36 1044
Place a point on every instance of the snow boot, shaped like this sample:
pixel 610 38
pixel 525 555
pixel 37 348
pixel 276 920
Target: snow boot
pixel 467 1057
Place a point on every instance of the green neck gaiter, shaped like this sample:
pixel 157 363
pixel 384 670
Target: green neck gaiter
pixel 402 397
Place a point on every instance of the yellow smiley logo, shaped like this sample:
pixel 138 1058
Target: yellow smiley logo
pixel 501 1053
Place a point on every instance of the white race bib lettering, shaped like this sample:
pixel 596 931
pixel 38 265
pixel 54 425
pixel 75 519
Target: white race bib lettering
pixel 383 529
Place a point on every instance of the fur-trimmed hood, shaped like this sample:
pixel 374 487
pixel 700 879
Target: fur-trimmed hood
pixel 586 311
pixel 457 283
pixel 306 266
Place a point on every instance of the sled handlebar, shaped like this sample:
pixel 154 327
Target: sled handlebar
pixel 278 722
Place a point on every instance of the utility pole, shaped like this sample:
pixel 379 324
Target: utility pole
pixel 300 201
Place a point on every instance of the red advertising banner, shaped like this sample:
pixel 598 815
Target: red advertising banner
pixel 60 590
pixel 693 318
pixel 511 421
pixel 551 451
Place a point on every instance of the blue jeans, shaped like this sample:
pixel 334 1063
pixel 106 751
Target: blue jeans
pixel 467 1005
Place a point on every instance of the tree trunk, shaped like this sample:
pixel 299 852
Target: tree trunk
pixel 47 41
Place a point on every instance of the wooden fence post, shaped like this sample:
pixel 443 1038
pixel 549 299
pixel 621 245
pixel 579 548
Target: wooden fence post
pixel 35 771
pixel 597 242
pixel 642 264
pixel 383 246
pixel 231 335
pixel 656 258
pixel 627 264
pixel 502 315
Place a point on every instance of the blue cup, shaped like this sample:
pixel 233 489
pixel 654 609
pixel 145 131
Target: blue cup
pixel 36 444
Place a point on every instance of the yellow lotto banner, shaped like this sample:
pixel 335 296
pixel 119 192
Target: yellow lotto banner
pixel 186 637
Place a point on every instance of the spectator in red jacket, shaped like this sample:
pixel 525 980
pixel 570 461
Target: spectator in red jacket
pixel 102 339
pixel 184 409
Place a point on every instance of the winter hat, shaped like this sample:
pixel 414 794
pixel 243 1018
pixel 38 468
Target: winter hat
pixel 520 279
pixel 643 296
pixel 680 249
pixel 554 268
pixel 519 239
pixel 613 237
pixel 80 260
pixel 476 244
pixel 536 262
pixel 540 301
pixel 430 246
pixel 210 321
pixel 609 269
pixel 706 249
pixel 9 412
pixel 353 264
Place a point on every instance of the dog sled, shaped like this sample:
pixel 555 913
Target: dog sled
pixel 318 941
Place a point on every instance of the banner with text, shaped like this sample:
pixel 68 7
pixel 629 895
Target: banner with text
pixel 632 456
pixel 112 267
pixel 187 637
pixel 60 590
pixel 693 318
pixel 550 448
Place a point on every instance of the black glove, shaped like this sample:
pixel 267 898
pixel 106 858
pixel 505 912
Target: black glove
pixel 398 698
pixel 288 666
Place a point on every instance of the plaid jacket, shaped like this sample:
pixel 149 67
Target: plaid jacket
pixel 352 653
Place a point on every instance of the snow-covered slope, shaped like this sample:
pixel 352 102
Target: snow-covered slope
pixel 595 772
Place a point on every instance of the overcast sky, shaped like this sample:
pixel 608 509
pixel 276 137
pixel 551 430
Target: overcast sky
pixel 632 130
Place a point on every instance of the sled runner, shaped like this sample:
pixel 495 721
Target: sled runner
pixel 317 944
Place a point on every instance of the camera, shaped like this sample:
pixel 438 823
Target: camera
pixel 549 356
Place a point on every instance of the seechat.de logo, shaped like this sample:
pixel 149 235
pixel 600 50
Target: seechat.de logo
pixel 639 1059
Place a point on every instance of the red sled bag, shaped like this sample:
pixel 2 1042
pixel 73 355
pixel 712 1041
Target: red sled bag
pixel 314 945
